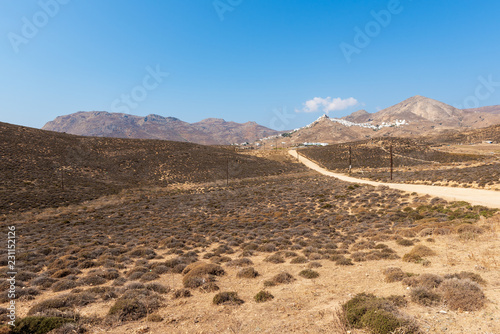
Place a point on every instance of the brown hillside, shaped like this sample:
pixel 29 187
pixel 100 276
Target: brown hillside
pixel 47 169
pixel 469 137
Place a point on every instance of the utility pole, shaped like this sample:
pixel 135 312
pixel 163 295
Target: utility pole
pixel 350 159
pixel 276 144
pixel 62 179
pixel 227 171
pixel 391 160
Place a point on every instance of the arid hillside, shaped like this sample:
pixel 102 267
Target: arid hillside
pixel 375 153
pixel 491 133
pixel 47 169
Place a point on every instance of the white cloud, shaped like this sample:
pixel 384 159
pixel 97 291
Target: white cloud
pixel 328 104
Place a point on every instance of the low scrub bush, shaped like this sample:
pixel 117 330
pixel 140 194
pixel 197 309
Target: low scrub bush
pixel 308 273
pixel 249 272
pixel 227 298
pixel 299 259
pixel 378 315
pixel 275 258
pixel 38 325
pixel 281 278
pixel 263 296
pixel 181 293
pixel 393 274
pixel 242 262
pixel 467 275
pixel 462 294
pixel 423 296
pixel 405 242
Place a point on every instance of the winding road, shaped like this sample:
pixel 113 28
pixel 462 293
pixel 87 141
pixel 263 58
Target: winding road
pixel 488 198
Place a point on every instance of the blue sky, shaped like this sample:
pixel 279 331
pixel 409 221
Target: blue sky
pixel 243 60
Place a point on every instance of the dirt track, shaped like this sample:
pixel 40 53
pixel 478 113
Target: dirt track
pixel 474 196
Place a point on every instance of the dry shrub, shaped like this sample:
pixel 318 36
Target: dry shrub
pixel 93 280
pixel 412 258
pixel 133 308
pixel 378 315
pixel 242 262
pixel 158 288
pixel 393 274
pixel 269 247
pixel 227 298
pixel 263 296
pixel 155 318
pixel 423 296
pixel 199 273
pixel 43 282
pixel 136 272
pixel 247 273
pixel 467 275
pixel 426 232
pixel 308 273
pixel 150 276
pixel 358 256
pixel 422 251
pixel 65 272
pixel 405 242
pixel 181 293
pixel 38 325
pixel 275 258
pixel 417 254
pixel 209 287
pixel 202 268
pixel 315 256
pixel 314 265
pixel 281 278
pixel 469 228
pixel 62 303
pixel 343 261
pixel 64 285
pixel 429 281
pixel 299 259
pixel 411 281
pixel 462 294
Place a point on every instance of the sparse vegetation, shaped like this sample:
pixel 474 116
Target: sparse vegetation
pixel 142 249
pixel 38 325
pixel 227 298
pixel 462 294
pixel 379 315
pixel 263 296
pixel 308 273
pixel 281 278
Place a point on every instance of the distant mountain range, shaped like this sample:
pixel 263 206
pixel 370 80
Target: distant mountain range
pixel 413 117
pixel 210 131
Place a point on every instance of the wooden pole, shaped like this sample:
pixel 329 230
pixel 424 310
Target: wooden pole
pixel 227 172
pixel 350 159
pixel 392 164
